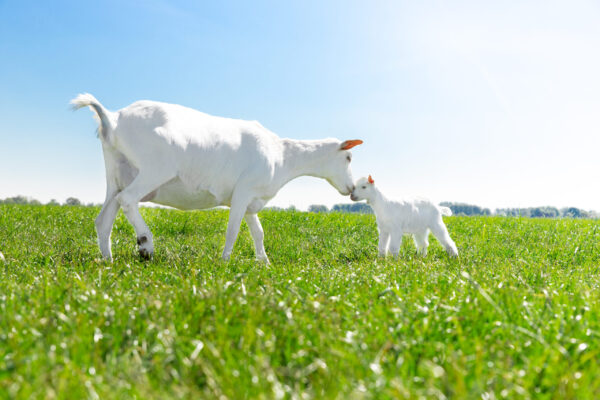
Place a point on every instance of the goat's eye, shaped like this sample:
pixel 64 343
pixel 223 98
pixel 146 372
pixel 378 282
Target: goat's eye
pixel 349 158
pixel 364 187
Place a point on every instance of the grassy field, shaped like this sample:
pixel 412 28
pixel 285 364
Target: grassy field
pixel 517 316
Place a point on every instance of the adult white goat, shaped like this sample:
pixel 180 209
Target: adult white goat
pixel 398 217
pixel 179 157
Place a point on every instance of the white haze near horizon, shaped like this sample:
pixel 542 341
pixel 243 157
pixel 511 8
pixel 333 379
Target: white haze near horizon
pixel 511 117
pixel 496 105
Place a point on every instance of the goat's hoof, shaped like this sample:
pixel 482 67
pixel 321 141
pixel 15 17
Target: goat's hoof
pixel 145 254
pixel 452 253
pixel 142 239
pixel 145 248
pixel 264 260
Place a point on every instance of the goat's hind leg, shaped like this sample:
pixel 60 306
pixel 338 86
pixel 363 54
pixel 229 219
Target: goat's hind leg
pixel 143 184
pixel 440 231
pixel 258 236
pixel 422 242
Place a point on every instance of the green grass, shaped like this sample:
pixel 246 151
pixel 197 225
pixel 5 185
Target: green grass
pixel 517 316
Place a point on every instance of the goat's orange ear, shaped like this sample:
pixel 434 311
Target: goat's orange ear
pixel 371 181
pixel 348 144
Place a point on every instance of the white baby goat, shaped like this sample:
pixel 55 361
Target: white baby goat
pixel 398 217
pixel 183 158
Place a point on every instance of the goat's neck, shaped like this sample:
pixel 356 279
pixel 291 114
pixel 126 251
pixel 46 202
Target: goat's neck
pixel 304 157
pixel 377 201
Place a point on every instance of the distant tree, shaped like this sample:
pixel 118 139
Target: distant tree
pixel 504 212
pixel 318 208
pixel 573 212
pixel 514 212
pixel 544 212
pixel 72 201
pixel 570 212
pixel 362 208
pixel 531 212
pixel 466 209
pixel 291 208
pixel 53 202
pixel 20 200
pixel 586 214
pixel 16 200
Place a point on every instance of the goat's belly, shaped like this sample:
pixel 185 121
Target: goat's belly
pixel 406 227
pixel 176 194
pixel 413 228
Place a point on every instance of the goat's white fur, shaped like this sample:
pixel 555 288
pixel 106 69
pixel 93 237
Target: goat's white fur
pixel 408 216
pixel 183 158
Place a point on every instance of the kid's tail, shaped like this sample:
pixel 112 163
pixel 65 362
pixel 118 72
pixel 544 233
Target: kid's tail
pixel 105 117
pixel 445 211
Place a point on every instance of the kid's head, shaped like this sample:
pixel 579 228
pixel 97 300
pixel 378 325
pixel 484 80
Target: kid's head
pixel 363 189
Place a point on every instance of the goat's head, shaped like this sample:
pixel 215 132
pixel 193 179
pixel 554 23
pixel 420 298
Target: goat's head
pixel 338 171
pixel 363 190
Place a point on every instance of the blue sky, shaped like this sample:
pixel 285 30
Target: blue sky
pixel 491 103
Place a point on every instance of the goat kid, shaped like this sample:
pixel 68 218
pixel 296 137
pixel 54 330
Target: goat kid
pixel 398 217
pixel 176 156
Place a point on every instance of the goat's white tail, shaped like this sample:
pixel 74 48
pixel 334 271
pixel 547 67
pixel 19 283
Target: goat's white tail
pixel 105 117
pixel 445 211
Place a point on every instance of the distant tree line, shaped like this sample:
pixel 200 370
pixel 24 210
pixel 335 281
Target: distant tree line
pixel 358 208
pixel 71 201
pixel 547 212
pixel 463 209
pixel 466 209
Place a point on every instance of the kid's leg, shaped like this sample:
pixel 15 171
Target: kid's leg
pixel 441 233
pixel 384 239
pixel 422 241
pixel 395 243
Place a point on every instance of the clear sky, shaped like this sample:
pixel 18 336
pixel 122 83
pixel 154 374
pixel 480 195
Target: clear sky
pixel 490 103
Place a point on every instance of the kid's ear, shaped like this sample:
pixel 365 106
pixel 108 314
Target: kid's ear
pixel 348 144
pixel 371 181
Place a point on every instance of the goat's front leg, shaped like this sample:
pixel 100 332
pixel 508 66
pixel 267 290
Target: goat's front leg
pixel 384 238
pixel 395 243
pixel 129 198
pixel 422 242
pixel 104 224
pixel 236 213
pixel 258 236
